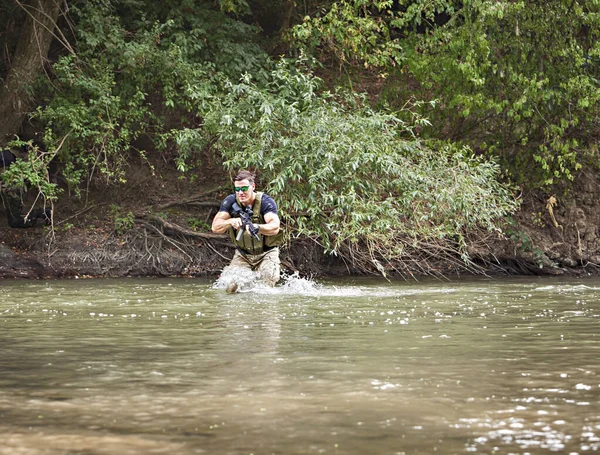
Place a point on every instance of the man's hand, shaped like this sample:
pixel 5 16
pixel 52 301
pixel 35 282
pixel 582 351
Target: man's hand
pixel 235 223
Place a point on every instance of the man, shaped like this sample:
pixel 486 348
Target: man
pixel 13 200
pixel 259 252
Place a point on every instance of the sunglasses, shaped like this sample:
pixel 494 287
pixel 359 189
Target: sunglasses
pixel 242 188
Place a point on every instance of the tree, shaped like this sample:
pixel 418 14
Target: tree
pixel 518 80
pixel 30 55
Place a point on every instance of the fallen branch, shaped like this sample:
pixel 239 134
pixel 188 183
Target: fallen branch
pixel 196 201
pixel 190 202
pixel 179 230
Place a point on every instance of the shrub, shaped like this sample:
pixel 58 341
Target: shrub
pixel 345 174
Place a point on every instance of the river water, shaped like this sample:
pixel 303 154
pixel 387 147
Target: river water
pixel 178 366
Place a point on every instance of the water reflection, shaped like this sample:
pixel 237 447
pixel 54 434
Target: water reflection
pixel 352 367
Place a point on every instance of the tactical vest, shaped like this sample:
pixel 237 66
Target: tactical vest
pixel 247 243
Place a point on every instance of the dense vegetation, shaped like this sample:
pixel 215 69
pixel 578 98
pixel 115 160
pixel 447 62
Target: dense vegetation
pixel 460 99
pixel 516 80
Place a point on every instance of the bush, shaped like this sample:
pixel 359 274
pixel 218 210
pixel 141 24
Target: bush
pixel 345 174
pixel 140 68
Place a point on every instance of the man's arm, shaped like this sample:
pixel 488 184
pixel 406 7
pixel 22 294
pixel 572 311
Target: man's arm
pixel 223 221
pixel 272 226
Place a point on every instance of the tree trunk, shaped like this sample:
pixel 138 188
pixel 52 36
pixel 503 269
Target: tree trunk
pixel 28 61
pixel 288 8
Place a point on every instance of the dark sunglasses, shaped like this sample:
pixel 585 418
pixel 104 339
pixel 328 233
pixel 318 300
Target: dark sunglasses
pixel 242 188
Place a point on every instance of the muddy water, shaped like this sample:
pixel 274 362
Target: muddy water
pixel 347 367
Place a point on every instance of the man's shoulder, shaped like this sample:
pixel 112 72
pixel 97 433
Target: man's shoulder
pixel 267 204
pixel 227 203
pixel 230 198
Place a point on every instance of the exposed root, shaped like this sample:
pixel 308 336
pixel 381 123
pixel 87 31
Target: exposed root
pixel 173 229
pixel 415 258
pixel 154 247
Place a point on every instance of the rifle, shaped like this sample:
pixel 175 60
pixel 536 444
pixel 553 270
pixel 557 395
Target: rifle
pixel 246 216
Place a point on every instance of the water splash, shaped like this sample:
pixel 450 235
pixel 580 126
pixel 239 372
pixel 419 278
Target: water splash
pixel 248 281
pixel 295 284
pixel 244 278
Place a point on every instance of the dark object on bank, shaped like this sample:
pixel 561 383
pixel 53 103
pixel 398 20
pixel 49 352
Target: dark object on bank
pixel 246 216
pixel 6 159
pixel 13 201
pixel 14 206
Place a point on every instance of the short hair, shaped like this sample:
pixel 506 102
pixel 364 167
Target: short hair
pixel 244 175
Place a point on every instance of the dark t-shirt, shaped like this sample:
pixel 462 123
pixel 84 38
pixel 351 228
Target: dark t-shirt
pixel 267 205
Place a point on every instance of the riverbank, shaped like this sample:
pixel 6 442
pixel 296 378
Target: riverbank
pixel 159 225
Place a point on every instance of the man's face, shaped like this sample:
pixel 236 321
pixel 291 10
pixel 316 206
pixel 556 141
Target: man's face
pixel 244 190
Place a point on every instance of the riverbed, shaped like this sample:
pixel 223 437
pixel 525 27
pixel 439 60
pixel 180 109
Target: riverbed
pixel 354 366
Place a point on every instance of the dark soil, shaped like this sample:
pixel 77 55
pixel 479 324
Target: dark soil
pixel 165 231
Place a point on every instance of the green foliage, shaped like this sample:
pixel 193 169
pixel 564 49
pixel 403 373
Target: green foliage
pixel 346 174
pixel 142 68
pixel 515 76
pixel 517 80
pixel 235 6
pixel 123 222
pixel 351 33
pixel 524 242
pixel 31 173
pixel 65 227
pixel 198 225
